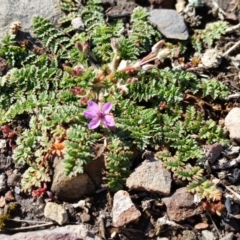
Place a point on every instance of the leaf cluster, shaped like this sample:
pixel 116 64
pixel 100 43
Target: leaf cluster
pixel 213 31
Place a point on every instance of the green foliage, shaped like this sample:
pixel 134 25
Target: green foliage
pixel 118 162
pixel 52 38
pixel 12 51
pixel 214 88
pixel 162 85
pixel 213 31
pixel 142 34
pixel 79 148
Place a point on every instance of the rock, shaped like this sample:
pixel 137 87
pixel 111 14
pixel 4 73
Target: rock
pixel 3 142
pixel 70 232
pixel 181 206
pixel 56 213
pixel 123 211
pixel 3 182
pixel 169 23
pixel 151 176
pixel 13 179
pixel 229 236
pixel 188 235
pixel 213 151
pixel 77 23
pixel 24 10
pixel 94 170
pixel 211 58
pixel 85 217
pixel 232 151
pixel 207 235
pixel 70 188
pixel 232 123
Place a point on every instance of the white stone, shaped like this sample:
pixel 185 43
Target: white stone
pixel 232 123
pixel 151 176
pixel 77 23
pixel 123 211
pixel 208 235
pixel 56 213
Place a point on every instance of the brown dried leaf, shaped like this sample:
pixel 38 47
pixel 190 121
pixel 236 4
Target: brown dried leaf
pixel 202 225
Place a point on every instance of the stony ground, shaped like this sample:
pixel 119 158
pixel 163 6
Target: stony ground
pixel 153 205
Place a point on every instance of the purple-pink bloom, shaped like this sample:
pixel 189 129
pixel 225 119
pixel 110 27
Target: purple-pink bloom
pixel 99 115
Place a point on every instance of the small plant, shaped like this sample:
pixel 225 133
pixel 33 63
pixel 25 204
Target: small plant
pixel 104 87
pixel 207 36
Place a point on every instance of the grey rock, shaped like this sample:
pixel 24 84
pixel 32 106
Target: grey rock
pixel 70 188
pixel 169 23
pixel 151 176
pixel 24 10
pixel 3 182
pixel 232 123
pixel 13 179
pixel 188 235
pixel 94 170
pixel 213 151
pixel 207 235
pixel 123 210
pixel 181 206
pixel 228 236
pixel 3 143
pixel 56 213
pixel 77 23
pixel 232 151
pixel 70 232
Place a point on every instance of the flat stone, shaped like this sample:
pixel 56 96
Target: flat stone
pixel 77 23
pixel 181 206
pixel 232 123
pixel 56 213
pixel 24 10
pixel 151 176
pixel 213 152
pixel 94 170
pixel 70 232
pixel 207 235
pixel 123 211
pixel 169 23
pixel 228 236
pixel 70 188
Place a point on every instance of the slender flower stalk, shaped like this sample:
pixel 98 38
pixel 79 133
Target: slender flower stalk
pixel 99 115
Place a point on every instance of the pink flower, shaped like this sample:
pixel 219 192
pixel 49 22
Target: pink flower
pixel 99 115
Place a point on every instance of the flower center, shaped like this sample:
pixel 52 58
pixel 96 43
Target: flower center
pixel 101 115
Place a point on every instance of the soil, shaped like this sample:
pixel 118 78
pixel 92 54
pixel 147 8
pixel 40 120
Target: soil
pixel 29 208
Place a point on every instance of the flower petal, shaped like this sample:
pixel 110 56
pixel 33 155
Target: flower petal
pixel 93 106
pixel 107 108
pixel 94 123
pixel 90 114
pixel 108 120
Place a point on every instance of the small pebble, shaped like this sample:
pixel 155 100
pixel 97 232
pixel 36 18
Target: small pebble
pixel 77 23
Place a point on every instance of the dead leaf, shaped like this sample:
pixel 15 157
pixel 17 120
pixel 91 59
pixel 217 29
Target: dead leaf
pixel 202 225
